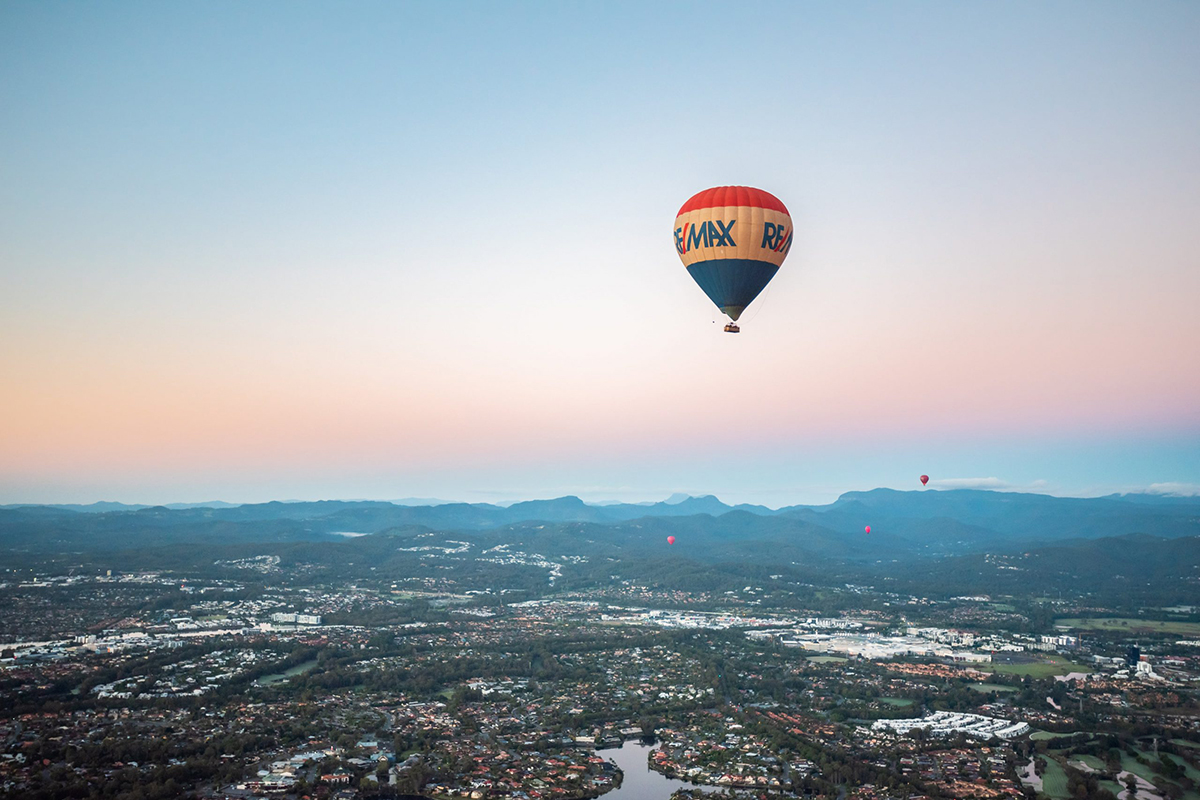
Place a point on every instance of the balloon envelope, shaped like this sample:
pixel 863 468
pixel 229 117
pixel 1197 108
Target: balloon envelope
pixel 733 239
pixel 868 529
pixel 670 540
pixel 924 479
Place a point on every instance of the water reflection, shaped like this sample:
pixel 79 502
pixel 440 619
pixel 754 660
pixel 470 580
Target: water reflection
pixel 640 782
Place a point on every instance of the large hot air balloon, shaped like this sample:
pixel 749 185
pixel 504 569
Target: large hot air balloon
pixel 924 479
pixel 732 239
pixel 670 540
pixel 868 529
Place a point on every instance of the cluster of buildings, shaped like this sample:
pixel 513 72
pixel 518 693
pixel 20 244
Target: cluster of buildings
pixel 513 699
pixel 504 554
pixel 689 619
pixel 874 646
pixel 967 773
pixel 475 769
pixel 292 618
pixel 263 565
pixel 717 750
pixel 192 677
pixel 930 642
pixel 948 723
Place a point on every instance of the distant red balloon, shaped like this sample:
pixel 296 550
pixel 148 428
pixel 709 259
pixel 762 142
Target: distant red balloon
pixel 924 479
pixel 670 540
pixel 868 529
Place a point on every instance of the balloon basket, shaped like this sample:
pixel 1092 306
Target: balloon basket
pixel 732 328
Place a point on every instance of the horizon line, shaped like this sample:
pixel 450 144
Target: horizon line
pixel 1183 491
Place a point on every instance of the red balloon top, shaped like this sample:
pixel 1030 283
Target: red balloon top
pixel 868 529
pixel 736 196
pixel 924 479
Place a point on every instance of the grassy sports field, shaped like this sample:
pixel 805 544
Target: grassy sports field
pixel 1131 764
pixel 1169 627
pixel 1092 761
pixel 1043 668
pixel 1112 786
pixel 991 687
pixel 1054 780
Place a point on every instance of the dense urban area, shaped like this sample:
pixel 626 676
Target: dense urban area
pixel 475 667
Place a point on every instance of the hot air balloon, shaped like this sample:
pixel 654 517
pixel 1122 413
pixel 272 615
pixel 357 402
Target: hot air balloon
pixel 868 529
pixel 924 479
pixel 732 239
pixel 670 540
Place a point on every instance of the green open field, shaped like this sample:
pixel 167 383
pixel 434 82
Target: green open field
pixel 1039 736
pixel 1044 668
pixel 1130 764
pixel 1131 625
pixel 1094 762
pixel 827 659
pixel 1054 780
pixel 1146 772
pixel 896 701
pixel 991 687
pixel 290 672
pixel 1192 773
pixel 435 598
pixel 1186 743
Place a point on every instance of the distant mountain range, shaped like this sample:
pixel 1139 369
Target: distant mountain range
pixel 106 506
pixel 903 524
pixel 1119 550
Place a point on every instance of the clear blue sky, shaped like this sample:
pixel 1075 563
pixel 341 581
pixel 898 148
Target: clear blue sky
pixel 251 251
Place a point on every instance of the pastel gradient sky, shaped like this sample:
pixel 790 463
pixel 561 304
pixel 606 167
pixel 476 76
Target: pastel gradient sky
pixel 255 251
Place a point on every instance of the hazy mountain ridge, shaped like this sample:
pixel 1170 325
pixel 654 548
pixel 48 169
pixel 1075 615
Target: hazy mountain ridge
pixel 108 505
pixel 904 524
pixel 938 556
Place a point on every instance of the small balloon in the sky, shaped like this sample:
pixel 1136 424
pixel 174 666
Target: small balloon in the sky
pixel 924 479
pixel 670 540
pixel 868 529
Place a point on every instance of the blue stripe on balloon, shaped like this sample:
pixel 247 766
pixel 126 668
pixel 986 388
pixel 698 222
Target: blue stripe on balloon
pixel 732 281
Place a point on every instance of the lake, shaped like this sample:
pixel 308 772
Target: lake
pixel 641 782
